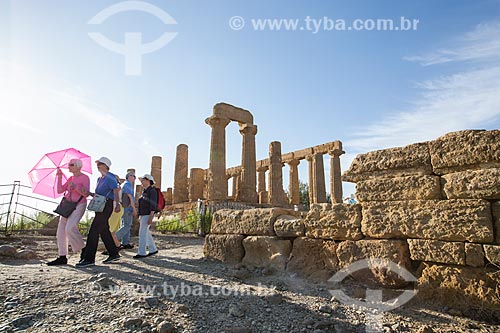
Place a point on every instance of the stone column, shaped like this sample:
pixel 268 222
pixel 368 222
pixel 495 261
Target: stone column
pixel 247 191
pixel 262 178
pixel 234 186
pixel 294 182
pixel 319 179
pixel 335 175
pixel 156 170
pixel 217 182
pixel 196 182
pixel 310 164
pixel 138 192
pixel 263 197
pixel 168 196
pixel 181 175
pixel 275 174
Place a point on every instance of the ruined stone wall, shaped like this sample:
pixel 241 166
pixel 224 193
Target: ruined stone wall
pixel 432 208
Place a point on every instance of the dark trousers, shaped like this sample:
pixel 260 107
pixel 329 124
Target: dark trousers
pixel 100 227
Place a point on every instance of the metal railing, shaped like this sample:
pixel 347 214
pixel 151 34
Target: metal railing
pixel 17 202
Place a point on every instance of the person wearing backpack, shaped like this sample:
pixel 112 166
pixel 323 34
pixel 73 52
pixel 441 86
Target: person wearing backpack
pixel 148 205
pixel 115 219
pixel 128 203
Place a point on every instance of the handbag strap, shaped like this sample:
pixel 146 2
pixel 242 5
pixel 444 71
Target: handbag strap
pixel 99 182
pixel 69 192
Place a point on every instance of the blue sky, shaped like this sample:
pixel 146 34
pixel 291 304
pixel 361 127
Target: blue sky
pixel 369 89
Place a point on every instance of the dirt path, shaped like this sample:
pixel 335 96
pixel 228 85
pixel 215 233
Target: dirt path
pixel 178 290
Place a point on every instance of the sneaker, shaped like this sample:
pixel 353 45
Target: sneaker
pixel 127 246
pixel 82 255
pixel 152 253
pixel 59 261
pixel 85 263
pixel 140 256
pixel 111 259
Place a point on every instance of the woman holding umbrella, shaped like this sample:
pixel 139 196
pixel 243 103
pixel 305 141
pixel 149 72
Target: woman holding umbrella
pixel 76 189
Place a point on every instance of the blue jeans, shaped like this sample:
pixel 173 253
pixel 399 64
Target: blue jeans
pixel 145 237
pixel 123 234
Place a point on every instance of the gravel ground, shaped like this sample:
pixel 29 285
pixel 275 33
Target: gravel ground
pixel 180 291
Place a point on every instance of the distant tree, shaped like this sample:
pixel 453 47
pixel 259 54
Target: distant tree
pixel 304 193
pixel 329 198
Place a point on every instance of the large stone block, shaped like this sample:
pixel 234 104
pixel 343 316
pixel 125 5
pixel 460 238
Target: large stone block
pixel 449 220
pixel 314 259
pixel 474 255
pixel 471 290
pixel 495 208
pixel 437 251
pixel 492 254
pixel 463 150
pixel 289 226
pixel 334 221
pixel 410 160
pixel 259 221
pixel 472 184
pixel 225 248
pixel 349 252
pixel 266 252
pixel 399 188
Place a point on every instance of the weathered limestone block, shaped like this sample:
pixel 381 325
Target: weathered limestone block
pixel 472 184
pixel 495 208
pixel 399 188
pixel 463 150
pixel 437 251
pixel 474 255
pixel 259 221
pixel 334 221
pixel 266 252
pixel 410 160
pixel 448 220
pixel 492 253
pixel 7 250
pixel 225 248
pixel 459 287
pixel 289 226
pixel 396 251
pixel 314 259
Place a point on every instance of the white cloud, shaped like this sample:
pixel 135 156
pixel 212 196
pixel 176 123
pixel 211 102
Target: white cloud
pixel 92 112
pixel 481 44
pixel 467 99
pixel 43 114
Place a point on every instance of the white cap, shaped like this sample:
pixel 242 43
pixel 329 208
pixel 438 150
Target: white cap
pixel 148 177
pixel 104 160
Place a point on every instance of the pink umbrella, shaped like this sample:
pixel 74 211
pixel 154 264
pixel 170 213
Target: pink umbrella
pixel 43 175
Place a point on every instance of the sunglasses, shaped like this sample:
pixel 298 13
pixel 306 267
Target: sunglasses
pixel 71 164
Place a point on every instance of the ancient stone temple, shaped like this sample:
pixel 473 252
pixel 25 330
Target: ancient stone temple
pixel 217 180
pixel 253 182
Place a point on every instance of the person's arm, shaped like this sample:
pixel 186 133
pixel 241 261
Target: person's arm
pixel 84 191
pixel 132 203
pixel 116 192
pixel 152 202
pixel 61 188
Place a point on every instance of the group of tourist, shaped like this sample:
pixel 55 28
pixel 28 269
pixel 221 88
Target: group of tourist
pixel 113 224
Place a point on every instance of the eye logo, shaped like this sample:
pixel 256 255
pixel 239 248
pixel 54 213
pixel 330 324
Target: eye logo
pixel 374 304
pixel 133 48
